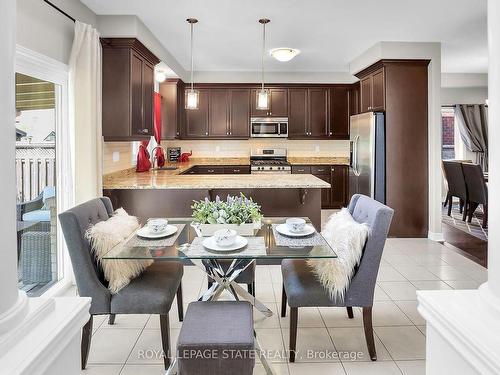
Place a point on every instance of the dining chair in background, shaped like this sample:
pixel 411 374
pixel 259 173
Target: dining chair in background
pixel 456 185
pixel 477 191
pixel 150 293
pixel 301 287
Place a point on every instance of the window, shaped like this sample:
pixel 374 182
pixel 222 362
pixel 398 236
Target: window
pixel 448 133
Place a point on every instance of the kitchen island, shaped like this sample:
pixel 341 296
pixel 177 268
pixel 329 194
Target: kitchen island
pixel 166 193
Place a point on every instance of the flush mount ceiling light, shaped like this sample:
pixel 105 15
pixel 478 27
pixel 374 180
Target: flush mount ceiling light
pixel 160 76
pixel 284 54
pixel 192 96
pixel 263 94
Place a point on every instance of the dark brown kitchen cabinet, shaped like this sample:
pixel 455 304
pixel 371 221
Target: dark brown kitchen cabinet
pixel 339 113
pixel 218 113
pixel 239 113
pixel 127 89
pixel 317 108
pixel 278 103
pixel 197 119
pixel 354 99
pixel 372 89
pixel 172 114
pixel 340 189
pixel 297 113
pixel 326 194
pixel 218 169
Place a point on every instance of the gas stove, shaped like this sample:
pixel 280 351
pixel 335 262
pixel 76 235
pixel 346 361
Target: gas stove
pixel 269 160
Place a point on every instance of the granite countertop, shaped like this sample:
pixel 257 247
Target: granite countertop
pixel 174 179
pixel 162 180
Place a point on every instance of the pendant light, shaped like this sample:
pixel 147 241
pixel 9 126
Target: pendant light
pixel 262 99
pixel 192 96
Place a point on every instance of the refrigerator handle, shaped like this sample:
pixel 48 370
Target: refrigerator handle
pixel 355 156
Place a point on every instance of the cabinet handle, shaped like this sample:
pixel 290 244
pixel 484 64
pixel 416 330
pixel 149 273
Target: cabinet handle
pixel 236 170
pixel 206 133
pixel 210 170
pixel 270 113
pixel 333 169
pixel 330 133
pixel 227 133
pixel 321 170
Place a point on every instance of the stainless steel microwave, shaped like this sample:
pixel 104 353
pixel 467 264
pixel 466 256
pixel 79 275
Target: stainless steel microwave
pixel 269 127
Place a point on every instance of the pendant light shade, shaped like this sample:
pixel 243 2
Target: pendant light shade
pixel 263 96
pixel 192 96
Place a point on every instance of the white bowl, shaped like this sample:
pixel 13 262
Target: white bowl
pixel 225 237
pixel 157 225
pixel 295 224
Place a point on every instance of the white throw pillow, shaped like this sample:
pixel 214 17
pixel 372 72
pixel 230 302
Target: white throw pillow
pixel 347 238
pixel 111 235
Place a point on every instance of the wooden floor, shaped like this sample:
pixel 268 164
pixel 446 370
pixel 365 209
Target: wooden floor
pixel 467 245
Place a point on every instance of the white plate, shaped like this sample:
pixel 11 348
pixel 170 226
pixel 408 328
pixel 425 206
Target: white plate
pixel 283 229
pixel 144 232
pixel 210 244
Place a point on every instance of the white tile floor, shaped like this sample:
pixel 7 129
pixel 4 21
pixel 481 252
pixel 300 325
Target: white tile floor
pixel 407 265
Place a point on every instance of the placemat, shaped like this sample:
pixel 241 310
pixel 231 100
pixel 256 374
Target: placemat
pixel 137 241
pixel 314 239
pixel 256 247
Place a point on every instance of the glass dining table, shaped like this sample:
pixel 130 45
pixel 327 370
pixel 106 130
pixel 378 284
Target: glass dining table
pixel 266 246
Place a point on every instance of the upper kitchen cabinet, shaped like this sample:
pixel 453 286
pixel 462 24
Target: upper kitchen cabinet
pixel 354 99
pixel 218 113
pixel 239 113
pixel 278 106
pixel 197 119
pixel 172 93
pixel 297 113
pixel 339 112
pixel 372 95
pixel 127 89
pixel 317 109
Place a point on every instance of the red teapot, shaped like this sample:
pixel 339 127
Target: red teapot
pixel 185 156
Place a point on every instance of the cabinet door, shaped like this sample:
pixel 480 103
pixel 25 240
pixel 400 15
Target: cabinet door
pixel 197 119
pixel 136 72
pixel 253 106
pixel 326 194
pixel 339 174
pixel 378 91
pixel 354 100
pixel 237 169
pixel 239 116
pixel 339 113
pixel 279 103
pixel 218 113
pixel 297 113
pixel 171 92
pixel 148 86
pixel 318 112
pixel 210 170
pixel 301 169
pixel 366 94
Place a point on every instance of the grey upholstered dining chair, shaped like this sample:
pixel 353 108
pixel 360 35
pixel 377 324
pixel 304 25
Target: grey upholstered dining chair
pixel 301 286
pixel 456 185
pixel 477 191
pixel 150 293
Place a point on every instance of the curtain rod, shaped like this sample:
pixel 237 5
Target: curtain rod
pixel 59 10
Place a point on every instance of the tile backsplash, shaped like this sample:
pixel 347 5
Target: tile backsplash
pixel 226 148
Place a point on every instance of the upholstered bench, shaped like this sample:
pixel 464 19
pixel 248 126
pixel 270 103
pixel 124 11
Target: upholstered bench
pixel 216 338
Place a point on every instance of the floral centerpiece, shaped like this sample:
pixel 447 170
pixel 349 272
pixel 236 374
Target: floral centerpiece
pixel 239 213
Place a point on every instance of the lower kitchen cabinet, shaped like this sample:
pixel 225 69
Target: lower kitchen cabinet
pixel 336 175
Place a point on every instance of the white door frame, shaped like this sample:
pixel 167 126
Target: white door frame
pixel 39 66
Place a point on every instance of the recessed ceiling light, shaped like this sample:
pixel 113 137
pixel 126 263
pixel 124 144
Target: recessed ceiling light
pixel 284 53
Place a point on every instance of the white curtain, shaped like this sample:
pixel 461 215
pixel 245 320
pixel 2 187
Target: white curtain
pixel 85 112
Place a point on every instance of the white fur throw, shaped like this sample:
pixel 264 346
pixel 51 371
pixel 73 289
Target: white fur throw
pixel 347 238
pixel 110 235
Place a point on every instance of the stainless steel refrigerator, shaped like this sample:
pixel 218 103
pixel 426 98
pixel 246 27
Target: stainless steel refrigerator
pixel 367 164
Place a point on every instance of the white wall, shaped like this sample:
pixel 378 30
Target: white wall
pixel 463 95
pixel 43 29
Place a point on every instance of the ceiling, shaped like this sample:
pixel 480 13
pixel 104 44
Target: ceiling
pixel 330 33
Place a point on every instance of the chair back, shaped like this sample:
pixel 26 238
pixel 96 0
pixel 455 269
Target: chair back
pixel 455 178
pixel 476 185
pixel 378 217
pixel 89 276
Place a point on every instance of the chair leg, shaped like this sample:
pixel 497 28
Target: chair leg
pixel 472 209
pixel 466 209
pixel 450 205
pixel 350 313
pixel 283 302
pixel 370 342
pixel 86 339
pixel 485 216
pixel 294 317
pixel 165 339
pixel 111 319
pixel 461 207
pixel 446 200
pixel 180 307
